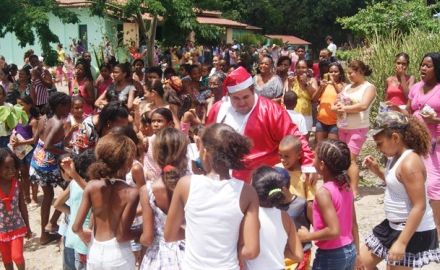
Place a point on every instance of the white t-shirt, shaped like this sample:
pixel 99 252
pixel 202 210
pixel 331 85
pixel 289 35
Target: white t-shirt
pixel 299 120
pixel 332 47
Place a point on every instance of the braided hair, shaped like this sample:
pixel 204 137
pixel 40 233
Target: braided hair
pixel 336 157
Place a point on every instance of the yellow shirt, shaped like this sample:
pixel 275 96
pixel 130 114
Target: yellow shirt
pixel 304 103
pixel 298 186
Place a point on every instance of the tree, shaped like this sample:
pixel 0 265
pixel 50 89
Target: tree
pixel 399 16
pixel 28 19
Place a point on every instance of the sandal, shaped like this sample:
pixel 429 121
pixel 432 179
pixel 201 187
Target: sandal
pixel 50 238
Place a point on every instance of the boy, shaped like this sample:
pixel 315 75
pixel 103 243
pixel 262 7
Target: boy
pixel 290 99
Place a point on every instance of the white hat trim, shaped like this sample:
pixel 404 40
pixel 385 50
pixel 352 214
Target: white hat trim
pixel 241 86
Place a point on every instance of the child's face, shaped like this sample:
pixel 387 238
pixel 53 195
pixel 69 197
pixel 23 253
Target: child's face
pixel 8 169
pixel 77 109
pixel 146 129
pixel 195 74
pixel 105 73
pixel 158 122
pixel 26 107
pixel 290 157
pixel 205 71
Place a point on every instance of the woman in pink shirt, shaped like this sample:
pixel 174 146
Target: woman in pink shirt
pixel 336 238
pixel 399 84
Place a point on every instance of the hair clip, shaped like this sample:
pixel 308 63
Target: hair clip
pixel 168 168
pixel 273 191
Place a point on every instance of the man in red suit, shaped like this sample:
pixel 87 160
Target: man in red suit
pixel 260 119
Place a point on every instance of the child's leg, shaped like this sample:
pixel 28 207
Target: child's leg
pixel 17 252
pixel 25 183
pixel 45 237
pixel 368 259
pixel 5 250
pixel 34 188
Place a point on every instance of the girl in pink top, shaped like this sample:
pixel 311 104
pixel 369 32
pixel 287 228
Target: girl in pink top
pixel 83 86
pixel 337 238
pixel 399 84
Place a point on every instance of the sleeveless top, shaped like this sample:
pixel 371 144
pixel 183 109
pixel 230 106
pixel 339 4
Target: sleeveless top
pixel 271 248
pixel 113 95
pixel 12 225
pixel 151 168
pixel 342 199
pixel 397 203
pixel 396 95
pixel 360 119
pixel 325 113
pixel 24 130
pixel 72 239
pixel 213 217
pixel 304 102
pixel 129 179
pixel 87 108
pixel 271 89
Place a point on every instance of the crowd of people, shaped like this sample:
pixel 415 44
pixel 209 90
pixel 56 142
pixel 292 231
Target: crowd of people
pixel 212 165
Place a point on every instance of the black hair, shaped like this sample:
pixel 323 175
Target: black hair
pixel 186 67
pixel 192 67
pixel 107 66
pixel 435 57
pixel 57 99
pixel 302 60
pixel 341 70
pixel 77 98
pixel 156 86
pixel 226 146
pixel 138 60
pixel 324 66
pixel 2 91
pixel 329 38
pixel 166 113
pixel 336 156
pixel 267 56
pixel 282 59
pixel 110 113
pixel 83 161
pixel 404 55
pixel 87 69
pixel 130 133
pixel 169 71
pixel 27 70
pixel 290 99
pixel 33 56
pixel 300 47
pixel 268 184
pixel 28 100
pixel 146 119
pixel 6 152
pixel 156 70
pixel 12 67
pixel 125 68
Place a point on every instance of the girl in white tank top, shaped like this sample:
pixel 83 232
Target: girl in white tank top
pixel 407 237
pixel 221 213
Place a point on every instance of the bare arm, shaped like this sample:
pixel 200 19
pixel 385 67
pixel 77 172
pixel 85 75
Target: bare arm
pixel 294 249
pixel 90 99
pixel 173 227
pixel 101 101
pixel 367 99
pixel 60 202
pixel 147 236
pixel 137 173
pixel 130 99
pixel 249 246
pixel 23 210
pixel 81 215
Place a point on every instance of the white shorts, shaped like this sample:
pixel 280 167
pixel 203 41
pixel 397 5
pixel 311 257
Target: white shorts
pixel 110 255
pixel 309 122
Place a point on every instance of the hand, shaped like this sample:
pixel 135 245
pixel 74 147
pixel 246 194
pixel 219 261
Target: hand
pixel 429 118
pixel 393 107
pixel 136 102
pixel 68 166
pixel 303 78
pixel 75 127
pixel 324 83
pixel 85 235
pixel 339 107
pixel 400 72
pixel 28 234
pixel 397 251
pixel 303 234
pixel 14 141
pixel 359 265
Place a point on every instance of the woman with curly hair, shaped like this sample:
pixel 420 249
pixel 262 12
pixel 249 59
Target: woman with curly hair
pixel 221 212
pixel 407 238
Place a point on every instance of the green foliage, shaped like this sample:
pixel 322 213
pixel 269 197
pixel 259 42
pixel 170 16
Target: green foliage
pixel 381 52
pixel 250 39
pixel 392 16
pixel 12 115
pixel 28 19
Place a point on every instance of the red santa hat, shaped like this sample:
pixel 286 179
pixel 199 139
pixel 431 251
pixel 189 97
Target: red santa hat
pixel 237 80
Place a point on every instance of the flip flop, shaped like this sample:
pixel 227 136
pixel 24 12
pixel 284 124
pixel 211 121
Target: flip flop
pixel 50 239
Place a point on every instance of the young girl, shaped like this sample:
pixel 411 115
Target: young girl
pixel 113 203
pixel 5 132
pixel 407 238
pixel 105 80
pixel 75 169
pixel 269 185
pixel 74 122
pixel 14 222
pixel 221 212
pixel 160 118
pixel 83 86
pixel 26 135
pixel 334 218
pixel 170 150
pixel 45 161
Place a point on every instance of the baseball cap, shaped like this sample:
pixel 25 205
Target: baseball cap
pixel 391 120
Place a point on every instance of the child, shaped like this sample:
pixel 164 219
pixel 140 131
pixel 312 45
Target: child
pixel 5 132
pixel 69 68
pixel 289 100
pixel 113 203
pixel 268 183
pixel 221 212
pixel 160 118
pixel 14 222
pixel 290 154
pixel 105 80
pixel 170 148
pixel 74 122
pixel 75 169
pixel 45 161
pixel 25 135
pixel 300 212
pixel 334 217
pixel 407 238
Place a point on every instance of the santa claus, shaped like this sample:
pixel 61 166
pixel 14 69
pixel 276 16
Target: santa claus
pixel 261 120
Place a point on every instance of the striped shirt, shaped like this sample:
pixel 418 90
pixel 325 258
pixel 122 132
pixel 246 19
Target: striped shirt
pixel 41 92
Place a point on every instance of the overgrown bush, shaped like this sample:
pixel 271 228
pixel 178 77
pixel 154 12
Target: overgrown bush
pixel 381 51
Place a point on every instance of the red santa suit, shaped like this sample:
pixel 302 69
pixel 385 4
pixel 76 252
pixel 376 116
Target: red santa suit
pixel 265 125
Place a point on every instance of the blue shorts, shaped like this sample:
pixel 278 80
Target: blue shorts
pixel 321 127
pixel 343 258
pixel 4 140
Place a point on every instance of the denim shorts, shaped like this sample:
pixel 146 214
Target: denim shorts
pixel 321 127
pixel 343 258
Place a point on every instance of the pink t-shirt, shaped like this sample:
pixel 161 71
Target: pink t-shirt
pixel 342 199
pixel 420 99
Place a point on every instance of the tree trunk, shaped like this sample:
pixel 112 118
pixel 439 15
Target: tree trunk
pixel 148 36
